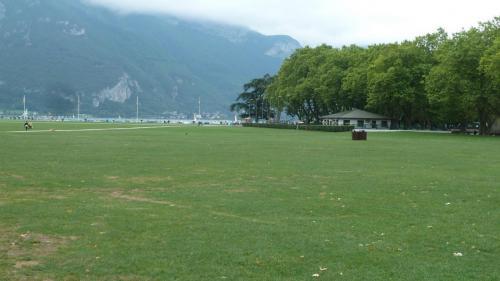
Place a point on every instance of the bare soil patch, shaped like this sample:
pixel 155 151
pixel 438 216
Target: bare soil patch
pixel 21 264
pixel 144 180
pixel 240 190
pixel 27 250
pixel 17 177
pixel 138 198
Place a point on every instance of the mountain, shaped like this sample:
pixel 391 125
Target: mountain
pixel 55 50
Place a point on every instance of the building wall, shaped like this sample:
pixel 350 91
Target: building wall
pixel 367 124
pixel 496 127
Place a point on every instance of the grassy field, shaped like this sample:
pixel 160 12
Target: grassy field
pixel 214 203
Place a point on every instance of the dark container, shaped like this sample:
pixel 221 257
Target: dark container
pixel 359 135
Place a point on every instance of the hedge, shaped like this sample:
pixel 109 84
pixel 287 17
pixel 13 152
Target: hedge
pixel 302 127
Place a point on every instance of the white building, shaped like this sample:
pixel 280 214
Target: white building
pixel 495 129
pixel 360 119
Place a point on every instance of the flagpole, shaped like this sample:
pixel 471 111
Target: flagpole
pixel 137 109
pixel 25 113
pixel 78 108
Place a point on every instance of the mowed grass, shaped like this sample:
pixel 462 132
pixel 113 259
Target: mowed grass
pixel 216 203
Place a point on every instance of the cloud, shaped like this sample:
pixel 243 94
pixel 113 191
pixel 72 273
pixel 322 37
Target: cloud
pixel 335 22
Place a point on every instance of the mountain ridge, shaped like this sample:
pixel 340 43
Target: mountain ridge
pixel 52 51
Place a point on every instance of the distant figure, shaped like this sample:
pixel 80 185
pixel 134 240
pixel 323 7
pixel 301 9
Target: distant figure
pixel 28 125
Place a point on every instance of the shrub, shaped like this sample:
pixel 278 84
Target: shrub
pixel 302 127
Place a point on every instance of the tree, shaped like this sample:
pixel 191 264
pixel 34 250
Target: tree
pixel 252 101
pixel 298 87
pixel 462 85
pixel 432 80
pixel 355 79
pixel 490 62
pixel 395 83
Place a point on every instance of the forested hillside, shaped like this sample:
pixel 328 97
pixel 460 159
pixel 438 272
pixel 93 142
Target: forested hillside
pixel 54 50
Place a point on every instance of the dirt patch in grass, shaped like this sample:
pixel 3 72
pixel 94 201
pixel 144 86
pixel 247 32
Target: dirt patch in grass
pixel 138 198
pixel 33 245
pixel 36 194
pixel 17 177
pixel 139 180
pixel 240 190
pixel 144 180
pixel 126 278
pixel 27 250
pixel 57 197
pixel 238 217
pixel 21 264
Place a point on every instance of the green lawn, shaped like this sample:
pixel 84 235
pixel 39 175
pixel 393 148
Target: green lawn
pixel 214 203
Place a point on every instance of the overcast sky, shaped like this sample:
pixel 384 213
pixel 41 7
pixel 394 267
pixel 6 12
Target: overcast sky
pixel 335 22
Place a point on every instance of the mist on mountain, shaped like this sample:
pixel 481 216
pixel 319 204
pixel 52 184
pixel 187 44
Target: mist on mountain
pixel 52 51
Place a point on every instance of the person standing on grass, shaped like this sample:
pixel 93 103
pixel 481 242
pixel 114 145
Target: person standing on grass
pixel 26 125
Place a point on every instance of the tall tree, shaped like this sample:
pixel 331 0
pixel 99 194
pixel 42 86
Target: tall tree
pixel 395 83
pixel 355 79
pixel 252 101
pixel 298 85
pixel 433 79
pixel 462 84
pixel 490 62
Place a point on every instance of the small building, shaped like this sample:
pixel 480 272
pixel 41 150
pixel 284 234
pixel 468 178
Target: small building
pixel 495 129
pixel 358 118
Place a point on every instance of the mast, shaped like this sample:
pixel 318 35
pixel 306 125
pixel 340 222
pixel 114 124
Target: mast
pixel 137 110
pixel 199 107
pixel 78 108
pixel 25 111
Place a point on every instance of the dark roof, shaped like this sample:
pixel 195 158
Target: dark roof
pixel 355 114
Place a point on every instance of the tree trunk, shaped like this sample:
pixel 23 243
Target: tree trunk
pixel 485 125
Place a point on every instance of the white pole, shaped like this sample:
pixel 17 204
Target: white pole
pixel 78 108
pixel 25 112
pixel 199 106
pixel 137 109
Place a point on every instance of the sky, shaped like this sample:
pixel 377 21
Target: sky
pixel 333 22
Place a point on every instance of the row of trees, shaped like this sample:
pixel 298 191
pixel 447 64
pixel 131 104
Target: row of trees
pixel 434 80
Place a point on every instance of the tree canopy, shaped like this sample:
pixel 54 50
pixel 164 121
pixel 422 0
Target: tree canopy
pixel 433 80
pixel 251 103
